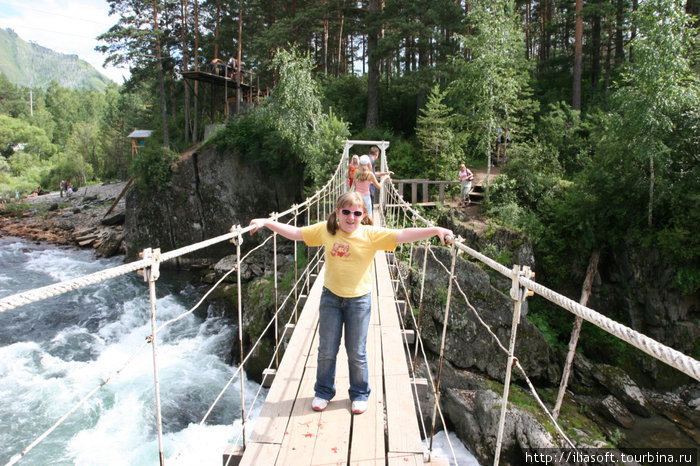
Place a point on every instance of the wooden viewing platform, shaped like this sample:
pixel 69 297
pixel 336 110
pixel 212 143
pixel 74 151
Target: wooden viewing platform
pixel 289 432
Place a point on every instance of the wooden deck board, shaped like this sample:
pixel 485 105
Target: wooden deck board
pixel 290 431
pixel 302 432
pixel 272 420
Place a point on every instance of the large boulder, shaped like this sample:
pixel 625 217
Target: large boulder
pixel 209 193
pixel 476 414
pixel 470 342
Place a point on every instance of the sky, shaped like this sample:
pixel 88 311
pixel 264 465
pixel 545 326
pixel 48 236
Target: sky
pixel 65 26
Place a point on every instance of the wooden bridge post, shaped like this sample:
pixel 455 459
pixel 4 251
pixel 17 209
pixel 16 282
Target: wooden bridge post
pixel 519 293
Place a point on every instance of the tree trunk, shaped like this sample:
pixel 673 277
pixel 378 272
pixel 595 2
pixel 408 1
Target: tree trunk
pixel 578 57
pixel 608 57
pixel 324 50
pixel 585 293
pixel 372 119
pixel 619 26
pixel 633 33
pixel 423 66
pixel 195 126
pixel 185 64
pixel 161 77
pixel 217 21
pixel 544 31
pixel 652 176
pixel 595 53
pixel 528 32
pixel 341 20
pixel 239 55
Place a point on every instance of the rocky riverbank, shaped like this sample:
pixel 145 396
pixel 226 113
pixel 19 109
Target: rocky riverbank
pixel 79 220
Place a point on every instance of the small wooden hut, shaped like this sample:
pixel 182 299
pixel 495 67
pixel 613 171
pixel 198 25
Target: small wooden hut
pixel 138 139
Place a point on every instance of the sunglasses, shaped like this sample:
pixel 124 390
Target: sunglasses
pixel 356 213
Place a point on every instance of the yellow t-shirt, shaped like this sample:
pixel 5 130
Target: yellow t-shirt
pixel 349 256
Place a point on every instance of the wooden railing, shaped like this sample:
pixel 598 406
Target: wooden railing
pixel 424 183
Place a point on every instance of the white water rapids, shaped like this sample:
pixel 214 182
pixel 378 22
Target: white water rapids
pixel 52 353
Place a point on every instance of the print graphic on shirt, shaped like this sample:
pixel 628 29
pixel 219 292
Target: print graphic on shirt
pixel 341 250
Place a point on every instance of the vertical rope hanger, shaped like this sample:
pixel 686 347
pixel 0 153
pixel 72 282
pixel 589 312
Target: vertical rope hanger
pixel 442 345
pixel 151 273
pixel 238 240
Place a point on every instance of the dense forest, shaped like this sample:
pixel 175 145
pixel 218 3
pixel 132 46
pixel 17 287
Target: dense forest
pixel 596 103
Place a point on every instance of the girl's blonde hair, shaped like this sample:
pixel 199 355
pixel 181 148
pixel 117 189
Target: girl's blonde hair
pixel 362 173
pixel 345 200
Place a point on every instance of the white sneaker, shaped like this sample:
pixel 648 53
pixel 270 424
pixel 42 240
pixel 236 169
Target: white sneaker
pixel 359 406
pixel 319 404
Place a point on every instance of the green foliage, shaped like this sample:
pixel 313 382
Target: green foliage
pixel 492 87
pixel 151 166
pixel 405 159
pixel 290 126
pixel 346 96
pixel 441 153
pixel 18 135
pixel 563 132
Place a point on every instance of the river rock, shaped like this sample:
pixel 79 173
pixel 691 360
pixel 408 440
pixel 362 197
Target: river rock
pixel 618 383
pixel 611 408
pixel 111 244
pixel 476 414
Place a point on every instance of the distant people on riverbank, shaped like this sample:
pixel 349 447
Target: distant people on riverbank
pixel 38 192
pixel 465 177
pixel 62 186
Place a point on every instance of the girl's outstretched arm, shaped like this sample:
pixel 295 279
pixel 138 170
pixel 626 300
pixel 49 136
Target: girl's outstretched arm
pixel 288 231
pixel 409 235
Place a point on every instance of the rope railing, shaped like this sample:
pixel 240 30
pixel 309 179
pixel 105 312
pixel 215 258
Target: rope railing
pixel 316 208
pixel 523 287
pixel 149 267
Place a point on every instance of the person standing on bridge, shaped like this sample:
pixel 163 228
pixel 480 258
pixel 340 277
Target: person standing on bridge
pixel 354 165
pixel 350 241
pixel 364 181
pixel 373 156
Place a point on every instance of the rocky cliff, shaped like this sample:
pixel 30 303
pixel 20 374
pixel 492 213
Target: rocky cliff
pixel 209 192
pixel 638 287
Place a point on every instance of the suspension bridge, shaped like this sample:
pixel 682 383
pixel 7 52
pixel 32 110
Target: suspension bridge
pixel 287 430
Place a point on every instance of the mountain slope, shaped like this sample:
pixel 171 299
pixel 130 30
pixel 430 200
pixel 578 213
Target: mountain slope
pixel 30 64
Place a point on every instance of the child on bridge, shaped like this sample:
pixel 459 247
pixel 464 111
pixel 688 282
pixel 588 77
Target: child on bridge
pixel 350 246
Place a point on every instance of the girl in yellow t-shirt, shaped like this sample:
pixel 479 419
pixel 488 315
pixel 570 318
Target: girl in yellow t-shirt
pixel 349 246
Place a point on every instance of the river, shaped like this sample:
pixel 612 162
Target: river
pixel 54 352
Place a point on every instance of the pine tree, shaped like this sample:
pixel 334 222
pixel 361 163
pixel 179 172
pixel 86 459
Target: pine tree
pixel 437 139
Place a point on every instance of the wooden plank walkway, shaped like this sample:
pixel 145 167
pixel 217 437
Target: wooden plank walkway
pixel 289 432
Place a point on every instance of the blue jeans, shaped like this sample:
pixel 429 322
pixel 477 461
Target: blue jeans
pixel 368 204
pixel 354 313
